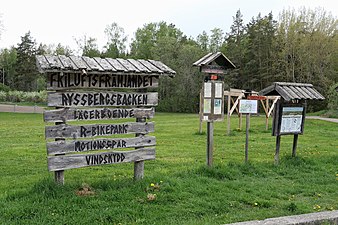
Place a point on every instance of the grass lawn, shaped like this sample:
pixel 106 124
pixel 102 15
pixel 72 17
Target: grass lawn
pixel 178 188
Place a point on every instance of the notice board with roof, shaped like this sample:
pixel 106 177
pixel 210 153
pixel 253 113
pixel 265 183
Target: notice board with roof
pixel 289 114
pixel 99 89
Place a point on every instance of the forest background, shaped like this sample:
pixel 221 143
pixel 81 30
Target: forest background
pixel 300 46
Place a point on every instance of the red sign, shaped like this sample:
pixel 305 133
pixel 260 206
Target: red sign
pixel 256 97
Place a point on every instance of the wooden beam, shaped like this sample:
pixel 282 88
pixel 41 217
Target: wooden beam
pixel 73 114
pixel 99 99
pixel 65 162
pixel 65 147
pixel 93 130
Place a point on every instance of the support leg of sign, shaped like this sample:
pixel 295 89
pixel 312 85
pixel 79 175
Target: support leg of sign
pixel 200 114
pixel 240 121
pixel 59 176
pixel 294 147
pixel 228 114
pixel 210 142
pixel 139 165
pixel 277 149
pixel 247 123
pixel 266 114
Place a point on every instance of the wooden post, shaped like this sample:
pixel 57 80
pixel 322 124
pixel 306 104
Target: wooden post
pixel 294 147
pixel 240 121
pixel 228 114
pixel 200 114
pixel 266 114
pixel 59 176
pixel 247 122
pixel 210 142
pixel 277 149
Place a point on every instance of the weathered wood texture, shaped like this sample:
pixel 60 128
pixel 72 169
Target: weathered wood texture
pixel 292 91
pixel 66 162
pixel 67 81
pixel 64 147
pixel 92 130
pixel 74 99
pixel 96 65
pixel 210 143
pixel 72 114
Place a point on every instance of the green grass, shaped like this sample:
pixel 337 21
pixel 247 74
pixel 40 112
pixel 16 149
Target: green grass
pixel 187 192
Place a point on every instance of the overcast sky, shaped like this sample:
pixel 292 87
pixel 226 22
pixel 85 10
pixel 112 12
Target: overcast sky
pixel 60 21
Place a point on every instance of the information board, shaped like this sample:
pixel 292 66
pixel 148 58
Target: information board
pixel 247 106
pixel 292 118
pixel 212 101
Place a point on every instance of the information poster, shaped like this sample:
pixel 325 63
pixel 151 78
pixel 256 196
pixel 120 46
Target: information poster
pixel 207 106
pixel 219 90
pixel 218 106
pixel 207 90
pixel 247 106
pixel 292 118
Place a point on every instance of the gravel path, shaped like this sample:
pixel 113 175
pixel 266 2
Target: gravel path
pixel 322 118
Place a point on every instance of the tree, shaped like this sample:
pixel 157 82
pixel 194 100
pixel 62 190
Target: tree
pixel 235 48
pixel 203 41
pixel 88 46
pixel 116 44
pixel 216 40
pixel 8 62
pixel 26 73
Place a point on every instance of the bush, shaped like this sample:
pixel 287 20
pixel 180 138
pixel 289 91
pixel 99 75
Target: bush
pixel 333 98
pixel 20 96
pixel 4 88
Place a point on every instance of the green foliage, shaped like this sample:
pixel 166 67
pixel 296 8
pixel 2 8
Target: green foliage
pixel 333 98
pixel 21 96
pixel 4 88
pixel 177 187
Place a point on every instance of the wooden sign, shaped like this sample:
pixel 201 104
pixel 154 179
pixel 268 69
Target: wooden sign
pixel 56 163
pixel 67 81
pixel 77 99
pixel 213 69
pixel 255 97
pixel 62 147
pixel 93 130
pixel 71 114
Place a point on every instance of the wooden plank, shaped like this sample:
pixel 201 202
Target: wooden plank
pixel 42 63
pixel 64 147
pixel 214 69
pixel 77 60
pixel 54 62
pixel 210 143
pixel 307 92
pixel 139 66
pixel 162 67
pixel 150 66
pixel 73 114
pixel 64 81
pixel 254 97
pixel 92 63
pixel 126 64
pixel 66 162
pixel 118 66
pixel 67 63
pixel 104 64
pixel 73 99
pixel 93 130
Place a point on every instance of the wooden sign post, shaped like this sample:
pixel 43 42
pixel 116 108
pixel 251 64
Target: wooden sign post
pixel 247 107
pixel 85 89
pixel 212 94
pixel 289 119
pixel 213 110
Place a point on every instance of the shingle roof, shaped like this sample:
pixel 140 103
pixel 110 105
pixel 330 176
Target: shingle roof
pixel 218 57
pixel 49 63
pixel 291 91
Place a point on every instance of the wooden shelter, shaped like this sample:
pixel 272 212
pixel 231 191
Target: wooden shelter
pixel 85 89
pixel 289 115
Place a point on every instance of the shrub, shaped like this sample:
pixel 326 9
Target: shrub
pixel 4 88
pixel 333 98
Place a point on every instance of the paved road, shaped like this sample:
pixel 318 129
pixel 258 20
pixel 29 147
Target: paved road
pixel 322 118
pixel 20 109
